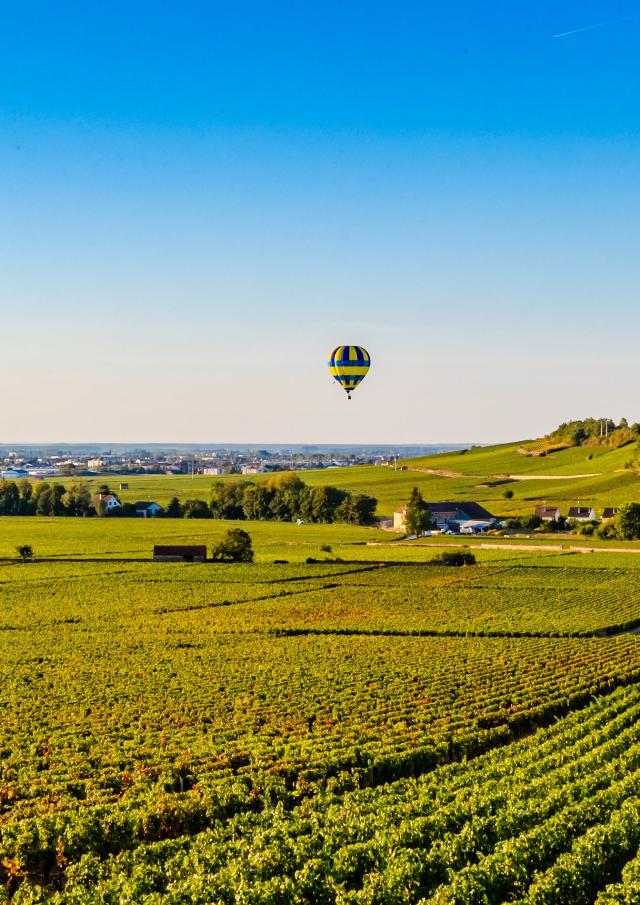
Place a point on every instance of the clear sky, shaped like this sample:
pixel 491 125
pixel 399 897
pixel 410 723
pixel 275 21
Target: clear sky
pixel 198 200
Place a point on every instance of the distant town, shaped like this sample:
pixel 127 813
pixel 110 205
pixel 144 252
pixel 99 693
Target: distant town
pixel 43 462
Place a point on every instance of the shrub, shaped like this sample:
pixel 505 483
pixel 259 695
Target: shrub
pixel 456 558
pixel 235 546
pixel 508 494
pixel 25 551
pixel 196 509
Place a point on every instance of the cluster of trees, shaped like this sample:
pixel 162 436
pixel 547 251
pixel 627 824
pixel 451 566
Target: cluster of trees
pixel 24 498
pixel 595 432
pixel 283 498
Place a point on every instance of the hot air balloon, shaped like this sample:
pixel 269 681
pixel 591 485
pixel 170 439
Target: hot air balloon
pixel 349 366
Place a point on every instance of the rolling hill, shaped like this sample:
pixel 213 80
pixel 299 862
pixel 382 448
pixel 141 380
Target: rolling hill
pixel 589 475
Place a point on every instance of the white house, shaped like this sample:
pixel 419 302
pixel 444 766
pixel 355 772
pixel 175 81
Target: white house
pixel 581 513
pixel 147 510
pixel 108 500
pixel 548 513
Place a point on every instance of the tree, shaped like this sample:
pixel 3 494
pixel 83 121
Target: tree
pixel 319 504
pixel 43 499
pixel 508 494
pixel 9 498
pixel 26 494
pixel 227 498
pixel 196 509
pixel 57 494
pixel 25 552
pixel 255 501
pixel 77 500
pixel 174 509
pixel 628 521
pixel 417 518
pixel 357 509
pixel 235 546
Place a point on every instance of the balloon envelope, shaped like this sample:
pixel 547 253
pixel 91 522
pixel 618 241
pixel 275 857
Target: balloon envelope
pixel 349 366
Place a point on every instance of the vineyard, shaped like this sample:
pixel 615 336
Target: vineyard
pixel 335 732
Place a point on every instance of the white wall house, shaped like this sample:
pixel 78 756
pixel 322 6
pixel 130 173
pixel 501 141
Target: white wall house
pixel 582 513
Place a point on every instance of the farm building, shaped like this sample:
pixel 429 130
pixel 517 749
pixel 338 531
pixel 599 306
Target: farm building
pixel 146 509
pixel 398 518
pixel 13 473
pixel 581 513
pixel 179 553
pixel 609 512
pixel 109 501
pixel 451 515
pixel 548 513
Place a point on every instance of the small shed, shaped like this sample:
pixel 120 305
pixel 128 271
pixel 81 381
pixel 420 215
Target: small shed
pixel 179 553
pixel 124 485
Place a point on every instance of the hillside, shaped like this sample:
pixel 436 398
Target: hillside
pixel 588 475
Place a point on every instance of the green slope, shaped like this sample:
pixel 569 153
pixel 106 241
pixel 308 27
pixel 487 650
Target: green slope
pixel 586 475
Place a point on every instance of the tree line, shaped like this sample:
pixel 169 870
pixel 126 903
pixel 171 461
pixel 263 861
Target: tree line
pixel 283 498
pixel 24 498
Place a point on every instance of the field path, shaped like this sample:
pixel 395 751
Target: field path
pixel 554 548
pixel 442 473
pixel 551 477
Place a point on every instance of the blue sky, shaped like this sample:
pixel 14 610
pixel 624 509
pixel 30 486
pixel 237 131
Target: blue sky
pixel 199 200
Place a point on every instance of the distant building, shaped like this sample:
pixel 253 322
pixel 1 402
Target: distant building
pixel 43 471
pixel 212 470
pixel 179 553
pixel 581 513
pixel 124 485
pixel 11 474
pixel 95 463
pixel 147 510
pixel 251 469
pixel 450 515
pixel 548 513
pixel 609 512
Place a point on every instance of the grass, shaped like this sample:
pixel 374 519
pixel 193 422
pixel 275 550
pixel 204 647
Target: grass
pixel 150 710
pixel 145 701
pixel 478 474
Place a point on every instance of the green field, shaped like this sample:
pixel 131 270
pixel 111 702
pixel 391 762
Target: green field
pixel 463 476
pixel 340 732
